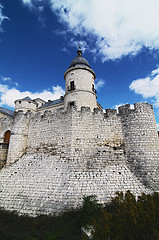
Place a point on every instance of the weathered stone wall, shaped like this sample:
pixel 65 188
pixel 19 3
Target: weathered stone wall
pixel 45 184
pixel 93 133
pixel 75 134
pixel 50 133
pixel 3 154
pixel 5 125
pixel 141 142
pixel 67 155
pixel 19 137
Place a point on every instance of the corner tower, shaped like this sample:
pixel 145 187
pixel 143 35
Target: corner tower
pixel 79 84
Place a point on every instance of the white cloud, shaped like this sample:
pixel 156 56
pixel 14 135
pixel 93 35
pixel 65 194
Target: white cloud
pixel 121 27
pixel 2 17
pixel 5 79
pixel 78 44
pixel 148 87
pixel 154 72
pixel 99 84
pixel 27 1
pixel 9 95
pixel 36 5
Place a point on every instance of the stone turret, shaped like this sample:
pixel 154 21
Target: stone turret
pixel 25 104
pixel 79 85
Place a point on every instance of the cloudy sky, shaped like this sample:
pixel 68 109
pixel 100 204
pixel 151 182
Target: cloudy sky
pixel 119 38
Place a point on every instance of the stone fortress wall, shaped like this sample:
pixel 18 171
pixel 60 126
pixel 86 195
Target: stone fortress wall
pixel 91 135
pixel 58 153
pixel 70 154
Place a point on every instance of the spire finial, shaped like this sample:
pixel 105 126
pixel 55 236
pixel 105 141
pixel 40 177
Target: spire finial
pixel 79 52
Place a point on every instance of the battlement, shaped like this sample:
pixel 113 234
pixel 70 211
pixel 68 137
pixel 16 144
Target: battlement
pixel 62 150
pixel 137 107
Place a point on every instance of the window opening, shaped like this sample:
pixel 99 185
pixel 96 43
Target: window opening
pixel 72 86
pixel 72 103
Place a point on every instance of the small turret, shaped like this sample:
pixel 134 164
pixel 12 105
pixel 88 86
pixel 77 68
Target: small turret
pixel 79 85
pixel 25 104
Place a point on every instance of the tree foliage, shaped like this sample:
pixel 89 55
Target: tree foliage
pixel 128 218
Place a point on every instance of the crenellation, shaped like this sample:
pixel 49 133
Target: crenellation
pixel 111 112
pixel 62 150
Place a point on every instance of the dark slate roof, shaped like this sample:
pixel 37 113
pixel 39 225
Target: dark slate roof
pixel 27 98
pixel 51 103
pixel 6 111
pixel 79 60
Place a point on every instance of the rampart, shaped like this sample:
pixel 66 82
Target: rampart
pixel 75 134
pixel 66 155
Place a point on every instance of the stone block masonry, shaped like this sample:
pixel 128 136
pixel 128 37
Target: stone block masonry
pixel 19 137
pixel 68 154
pixel 3 154
pixel 141 142
pixel 46 184
pixel 58 156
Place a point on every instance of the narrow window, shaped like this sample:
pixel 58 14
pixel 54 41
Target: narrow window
pixel 93 87
pixel 19 102
pixel 72 85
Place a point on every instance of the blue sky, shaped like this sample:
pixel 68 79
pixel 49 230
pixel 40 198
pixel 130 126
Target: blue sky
pixel 119 38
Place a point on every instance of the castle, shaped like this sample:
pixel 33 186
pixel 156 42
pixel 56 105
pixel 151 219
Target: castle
pixel 53 153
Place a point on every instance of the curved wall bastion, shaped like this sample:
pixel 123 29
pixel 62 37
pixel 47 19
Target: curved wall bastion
pixel 54 153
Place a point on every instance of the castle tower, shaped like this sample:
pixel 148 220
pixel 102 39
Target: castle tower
pixel 25 104
pixel 19 132
pixel 79 84
pixel 141 142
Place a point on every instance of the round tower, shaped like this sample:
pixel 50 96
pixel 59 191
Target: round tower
pixel 141 142
pixel 79 84
pixel 20 128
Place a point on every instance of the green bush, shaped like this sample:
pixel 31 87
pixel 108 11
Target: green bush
pixel 128 218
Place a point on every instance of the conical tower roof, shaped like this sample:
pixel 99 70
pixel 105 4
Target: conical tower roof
pixel 79 60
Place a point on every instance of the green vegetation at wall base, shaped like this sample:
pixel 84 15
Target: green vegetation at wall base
pixel 125 217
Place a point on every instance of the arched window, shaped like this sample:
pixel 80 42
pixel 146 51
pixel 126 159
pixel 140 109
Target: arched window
pixel 7 136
